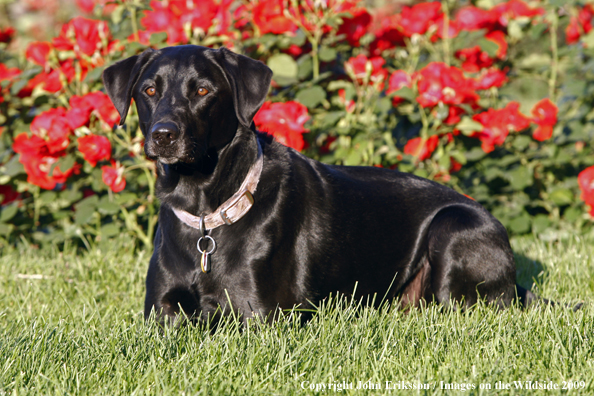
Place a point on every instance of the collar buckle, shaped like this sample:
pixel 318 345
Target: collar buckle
pixel 233 204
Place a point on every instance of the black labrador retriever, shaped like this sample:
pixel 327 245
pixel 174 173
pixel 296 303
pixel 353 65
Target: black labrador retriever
pixel 250 226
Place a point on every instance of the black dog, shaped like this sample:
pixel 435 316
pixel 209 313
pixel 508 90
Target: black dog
pixel 313 230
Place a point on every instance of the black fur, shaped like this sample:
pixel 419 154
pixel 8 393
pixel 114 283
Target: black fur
pixel 315 229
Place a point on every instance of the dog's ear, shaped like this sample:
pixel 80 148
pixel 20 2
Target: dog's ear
pixel 249 80
pixel 120 78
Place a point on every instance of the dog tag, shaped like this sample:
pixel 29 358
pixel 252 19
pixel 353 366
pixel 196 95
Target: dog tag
pixel 205 262
pixel 205 254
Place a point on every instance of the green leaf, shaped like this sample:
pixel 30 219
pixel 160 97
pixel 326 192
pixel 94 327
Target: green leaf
pixel 521 142
pixel 311 97
pixel 71 195
pixel 83 214
pixel 330 118
pixel 468 126
pixel 514 29
pixel 64 163
pixel 520 178
pixel 572 214
pixel 405 93
pixel 13 167
pixel 327 54
pixel 466 39
pixel 521 224
pixel 305 65
pixel 158 38
pixel 117 14
pixel 299 38
pixel 6 229
pixel 109 230
pixel 339 84
pixel 126 198
pixel 459 157
pixel 488 46
pixel 475 154
pixel 48 197
pixel 108 208
pixel 284 69
pixel 561 196
pixel 90 202
pixel 94 75
pixel 18 85
pixel 540 223
pixel 8 212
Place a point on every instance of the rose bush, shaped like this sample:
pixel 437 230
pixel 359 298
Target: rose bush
pixel 493 100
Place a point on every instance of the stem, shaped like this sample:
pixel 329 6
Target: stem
pixel 37 206
pixel 446 31
pixel 424 133
pixel 555 53
pixel 132 10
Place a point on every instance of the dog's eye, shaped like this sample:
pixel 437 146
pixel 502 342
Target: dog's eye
pixel 202 91
pixel 151 91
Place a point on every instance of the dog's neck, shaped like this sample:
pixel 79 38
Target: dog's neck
pixel 200 190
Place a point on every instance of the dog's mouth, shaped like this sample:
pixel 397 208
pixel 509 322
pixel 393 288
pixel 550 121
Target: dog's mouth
pixel 187 153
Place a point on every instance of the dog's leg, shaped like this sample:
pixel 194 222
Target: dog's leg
pixel 417 290
pixel 470 258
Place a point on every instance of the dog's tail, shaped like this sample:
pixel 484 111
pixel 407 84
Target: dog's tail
pixel 526 299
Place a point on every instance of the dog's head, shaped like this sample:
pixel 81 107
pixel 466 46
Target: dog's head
pixel 190 99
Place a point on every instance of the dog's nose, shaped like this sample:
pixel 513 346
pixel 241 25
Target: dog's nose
pixel 164 133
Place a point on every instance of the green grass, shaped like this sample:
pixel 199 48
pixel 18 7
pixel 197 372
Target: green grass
pixel 72 324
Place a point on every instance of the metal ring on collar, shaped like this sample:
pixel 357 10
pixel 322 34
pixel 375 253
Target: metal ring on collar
pixel 207 237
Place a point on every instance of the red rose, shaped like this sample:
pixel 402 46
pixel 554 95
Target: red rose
pixel 453 29
pixel 37 52
pixel 99 102
pixel 355 27
pixel 573 31
pixel 387 36
pixel 398 79
pixel 586 183
pixel 51 82
pixel 349 105
pixel 200 15
pixel 113 176
pixel 497 124
pixel 6 34
pixel 94 148
pixel 37 160
pixel 284 121
pixel 581 24
pixel 490 78
pixel 438 82
pixel 268 16
pixel 454 116
pixel 422 149
pixel 165 17
pixel 360 66
pixel 8 194
pixel 514 9
pixel 475 59
pixel 419 18
pixel 82 35
pixel 52 125
pixel 474 18
pixel 455 166
pixel 8 74
pixel 545 116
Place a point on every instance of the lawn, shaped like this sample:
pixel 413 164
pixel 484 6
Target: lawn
pixel 72 324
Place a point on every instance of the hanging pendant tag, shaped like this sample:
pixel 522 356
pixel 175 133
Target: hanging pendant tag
pixel 205 262
pixel 205 254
